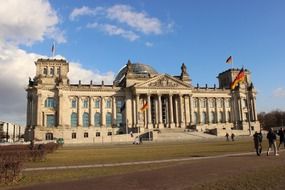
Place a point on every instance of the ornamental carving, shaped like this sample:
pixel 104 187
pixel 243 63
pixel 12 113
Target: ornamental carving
pixel 163 83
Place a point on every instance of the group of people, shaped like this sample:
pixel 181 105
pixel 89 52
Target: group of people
pixel 232 136
pixel 272 138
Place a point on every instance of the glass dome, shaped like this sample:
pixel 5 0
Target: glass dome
pixel 136 68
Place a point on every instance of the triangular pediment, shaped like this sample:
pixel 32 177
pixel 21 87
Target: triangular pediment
pixel 163 81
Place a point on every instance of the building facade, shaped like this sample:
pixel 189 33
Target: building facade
pixel 10 132
pixel 139 100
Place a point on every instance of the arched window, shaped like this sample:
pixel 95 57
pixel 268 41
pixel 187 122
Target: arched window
pixel 108 119
pixel 45 71
pixel 51 71
pixel 204 117
pixel 119 119
pixel 85 119
pixel 97 119
pixel 221 119
pixel 195 117
pixel 212 117
pixel 73 119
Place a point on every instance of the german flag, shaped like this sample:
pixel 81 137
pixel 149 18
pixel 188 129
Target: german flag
pixel 239 78
pixel 229 60
pixel 145 107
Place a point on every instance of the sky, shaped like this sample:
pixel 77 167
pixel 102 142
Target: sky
pixel 98 37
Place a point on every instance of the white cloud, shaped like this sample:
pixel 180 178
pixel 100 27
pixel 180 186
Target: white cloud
pixel 140 21
pixel 149 44
pixel 279 92
pixel 113 30
pixel 84 11
pixel 28 21
pixel 17 66
pixel 122 20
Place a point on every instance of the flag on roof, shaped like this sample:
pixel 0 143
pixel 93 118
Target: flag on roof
pixel 239 78
pixel 229 60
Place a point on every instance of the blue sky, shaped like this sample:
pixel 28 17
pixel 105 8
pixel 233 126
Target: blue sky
pixel 98 38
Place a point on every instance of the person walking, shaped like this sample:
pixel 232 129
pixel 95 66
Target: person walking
pixel 227 136
pixel 271 136
pixel 281 137
pixel 257 139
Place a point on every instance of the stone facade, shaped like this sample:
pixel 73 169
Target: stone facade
pixel 139 100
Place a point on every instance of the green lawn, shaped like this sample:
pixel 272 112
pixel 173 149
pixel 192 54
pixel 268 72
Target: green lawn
pixel 80 155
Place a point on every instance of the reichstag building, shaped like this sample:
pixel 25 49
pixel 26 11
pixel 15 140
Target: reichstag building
pixel 139 100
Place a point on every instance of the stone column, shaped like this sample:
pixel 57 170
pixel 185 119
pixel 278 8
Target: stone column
pixel 171 124
pixel 208 110
pixel 103 114
pixel 138 109
pixel 149 125
pixel 59 110
pixel 254 108
pixel 160 124
pixel 38 110
pixel 176 112
pixel 79 108
pixel 191 110
pixel 134 111
pixel 91 112
pixel 182 123
pixel 156 112
pixel 216 111
pixel 114 111
pixel 225 111
pixel 199 111
pixel 187 110
pixel 240 109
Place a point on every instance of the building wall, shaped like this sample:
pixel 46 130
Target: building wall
pixel 158 101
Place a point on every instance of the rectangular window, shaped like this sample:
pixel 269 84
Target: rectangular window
pixel 85 103
pixel 50 121
pixel 108 103
pixel 85 135
pixel 73 103
pixel 97 134
pixel 50 103
pixel 73 135
pixel 97 103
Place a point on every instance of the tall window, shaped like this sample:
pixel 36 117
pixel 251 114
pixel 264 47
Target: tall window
pixel 108 119
pixel 195 117
pixel 204 117
pixel 97 119
pixel 229 116
pixel 51 71
pixel 97 103
pixel 203 103
pixel 196 102
pixel 45 71
pixel 85 103
pixel 221 117
pixel 108 103
pixel 85 118
pixel 50 121
pixel 73 135
pixel 119 106
pixel 50 103
pixel 73 103
pixel 211 102
pixel 212 117
pixel 119 119
pixel 73 119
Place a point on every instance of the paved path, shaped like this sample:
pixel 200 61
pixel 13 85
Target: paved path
pixel 136 163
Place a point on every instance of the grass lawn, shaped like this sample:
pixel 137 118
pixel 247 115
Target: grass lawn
pixel 80 155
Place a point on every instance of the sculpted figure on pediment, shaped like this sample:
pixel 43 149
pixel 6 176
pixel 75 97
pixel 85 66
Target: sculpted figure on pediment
pixel 163 83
